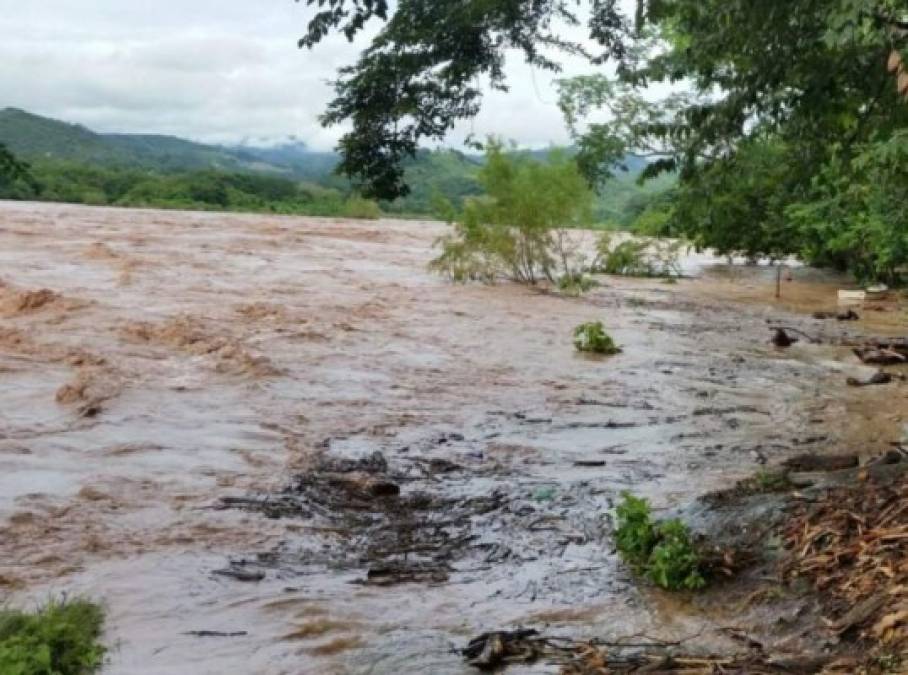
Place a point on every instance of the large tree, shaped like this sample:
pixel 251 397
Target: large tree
pixel 813 72
pixel 420 74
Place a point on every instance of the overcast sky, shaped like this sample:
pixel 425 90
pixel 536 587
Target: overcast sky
pixel 210 70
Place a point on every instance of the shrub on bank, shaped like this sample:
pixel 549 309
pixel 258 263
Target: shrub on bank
pixel 61 638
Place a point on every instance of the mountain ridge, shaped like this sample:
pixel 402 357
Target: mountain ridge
pixel 35 137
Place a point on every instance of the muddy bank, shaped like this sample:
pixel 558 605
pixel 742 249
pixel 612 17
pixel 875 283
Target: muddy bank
pixel 251 370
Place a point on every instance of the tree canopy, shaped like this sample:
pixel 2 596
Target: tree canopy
pixel 420 74
pixel 814 69
pixel 775 107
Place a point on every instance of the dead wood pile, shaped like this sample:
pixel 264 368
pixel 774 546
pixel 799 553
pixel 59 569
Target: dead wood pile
pixel 852 545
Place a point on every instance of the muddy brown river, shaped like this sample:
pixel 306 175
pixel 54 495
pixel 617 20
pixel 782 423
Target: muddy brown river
pixel 200 411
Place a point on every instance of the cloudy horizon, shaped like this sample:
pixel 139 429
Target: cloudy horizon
pixel 220 72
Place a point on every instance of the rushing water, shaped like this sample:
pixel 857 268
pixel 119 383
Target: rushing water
pixel 212 355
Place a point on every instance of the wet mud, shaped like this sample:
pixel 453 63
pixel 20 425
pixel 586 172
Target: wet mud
pixel 280 442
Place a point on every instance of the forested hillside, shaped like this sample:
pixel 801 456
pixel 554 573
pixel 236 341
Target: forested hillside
pixel 35 138
pixel 71 163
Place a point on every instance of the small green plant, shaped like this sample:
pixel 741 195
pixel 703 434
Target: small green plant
pixel 661 551
pixel 674 563
pixel 635 536
pixel 61 638
pixel 889 662
pixel 591 337
pixel 764 481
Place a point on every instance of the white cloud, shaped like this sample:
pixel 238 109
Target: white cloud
pixel 211 70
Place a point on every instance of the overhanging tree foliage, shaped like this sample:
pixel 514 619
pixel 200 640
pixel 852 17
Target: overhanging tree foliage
pixel 815 68
pixel 420 74
pixel 801 81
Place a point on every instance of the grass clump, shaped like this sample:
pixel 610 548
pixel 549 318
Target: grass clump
pixel 592 338
pixel 771 481
pixel 763 482
pixel 61 638
pixel 662 551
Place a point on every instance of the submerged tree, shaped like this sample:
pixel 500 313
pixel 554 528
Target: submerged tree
pixel 516 229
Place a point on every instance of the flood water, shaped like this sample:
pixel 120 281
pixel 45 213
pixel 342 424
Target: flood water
pixel 183 358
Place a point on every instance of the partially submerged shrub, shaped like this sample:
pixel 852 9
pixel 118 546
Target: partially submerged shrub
pixel 61 638
pixel 638 257
pixel 591 337
pixel 481 251
pixel 627 258
pixel 575 283
pixel 513 230
pixel 360 208
pixel 662 551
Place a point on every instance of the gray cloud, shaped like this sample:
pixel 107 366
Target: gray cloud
pixel 212 70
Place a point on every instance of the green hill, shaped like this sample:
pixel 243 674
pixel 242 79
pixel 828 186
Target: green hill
pixel 36 138
pixel 74 163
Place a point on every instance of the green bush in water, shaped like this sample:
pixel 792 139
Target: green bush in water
pixel 575 283
pixel 61 638
pixel 638 257
pixel 662 551
pixel 515 230
pixel 359 208
pixel 591 337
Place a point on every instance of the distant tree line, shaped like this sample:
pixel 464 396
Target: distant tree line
pixel 60 181
pixel 432 174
